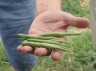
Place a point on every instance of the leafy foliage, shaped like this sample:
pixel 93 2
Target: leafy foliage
pixel 83 50
pixel 76 7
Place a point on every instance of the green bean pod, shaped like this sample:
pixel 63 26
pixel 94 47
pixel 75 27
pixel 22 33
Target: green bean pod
pixel 44 45
pixel 59 34
pixel 60 40
pixel 45 41
pixel 34 37
pixel 25 36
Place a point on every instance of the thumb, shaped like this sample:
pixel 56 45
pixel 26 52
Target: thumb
pixel 78 22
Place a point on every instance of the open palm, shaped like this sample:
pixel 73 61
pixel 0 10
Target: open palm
pixel 52 21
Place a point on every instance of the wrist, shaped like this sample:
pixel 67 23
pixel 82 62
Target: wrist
pixel 43 6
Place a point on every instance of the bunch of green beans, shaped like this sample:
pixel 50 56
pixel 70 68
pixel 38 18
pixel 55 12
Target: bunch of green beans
pixel 47 40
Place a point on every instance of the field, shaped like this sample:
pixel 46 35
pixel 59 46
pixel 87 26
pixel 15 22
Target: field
pixel 81 55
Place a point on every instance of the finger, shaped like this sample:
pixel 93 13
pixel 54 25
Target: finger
pixel 25 49
pixel 42 52
pixel 56 55
pixel 78 22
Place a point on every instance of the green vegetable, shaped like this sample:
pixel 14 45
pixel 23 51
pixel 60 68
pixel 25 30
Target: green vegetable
pixel 60 41
pixel 44 45
pixel 41 41
pixel 40 37
pixel 34 37
pixel 60 34
pixel 47 40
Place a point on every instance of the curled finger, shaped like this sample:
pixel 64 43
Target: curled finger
pixel 25 49
pixel 42 51
pixel 56 55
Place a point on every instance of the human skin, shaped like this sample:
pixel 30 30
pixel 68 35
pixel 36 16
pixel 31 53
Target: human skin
pixel 50 18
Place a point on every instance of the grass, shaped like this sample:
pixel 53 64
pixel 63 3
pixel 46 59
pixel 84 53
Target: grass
pixel 81 57
pixel 4 65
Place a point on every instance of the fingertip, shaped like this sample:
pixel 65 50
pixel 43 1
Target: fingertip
pixel 19 48
pixel 40 51
pixel 82 22
pixel 24 49
pixel 56 55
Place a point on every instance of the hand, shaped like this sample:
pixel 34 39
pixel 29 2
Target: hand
pixel 52 21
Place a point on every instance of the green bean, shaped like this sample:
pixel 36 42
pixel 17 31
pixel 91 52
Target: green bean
pixel 60 40
pixel 34 37
pixel 44 45
pixel 25 36
pixel 59 34
pixel 45 41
